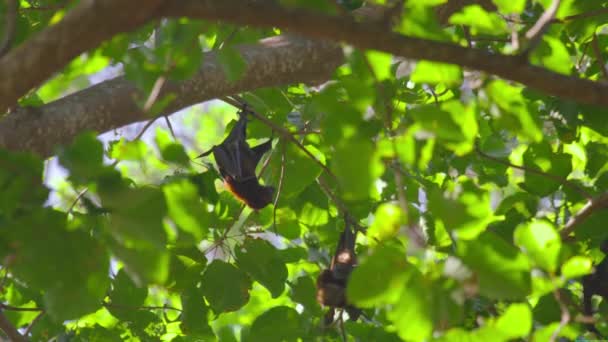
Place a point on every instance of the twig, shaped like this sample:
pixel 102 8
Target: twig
pixel 16 308
pixel 584 15
pixel 31 326
pixel 283 132
pixel 10 330
pixel 12 11
pixel 535 33
pixel 279 188
pixel 600 202
pixel 558 179
pixel 598 55
pixel 73 205
pixel 339 204
pixel 565 317
pixel 129 307
pixel 170 126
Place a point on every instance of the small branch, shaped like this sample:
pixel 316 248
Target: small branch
pixel 10 330
pixel 536 32
pixel 283 132
pixel 12 11
pixel 279 187
pixel 31 326
pixel 598 54
pixel 565 316
pixel 16 308
pixel 129 307
pixel 558 179
pixel 600 202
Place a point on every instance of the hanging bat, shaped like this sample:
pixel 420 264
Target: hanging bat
pixel 332 282
pixel 237 162
pixel 596 283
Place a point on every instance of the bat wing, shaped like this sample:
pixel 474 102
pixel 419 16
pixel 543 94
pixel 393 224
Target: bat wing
pixel 344 259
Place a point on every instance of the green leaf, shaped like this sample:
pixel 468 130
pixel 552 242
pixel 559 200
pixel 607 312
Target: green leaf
pixel 299 167
pixel 510 6
pixel 552 54
pixel 70 266
pixel 411 314
pixel 515 115
pixel 515 322
pixel 435 73
pixel 261 261
pixel 502 271
pixel 225 287
pixel 136 214
pixel 540 157
pixel 303 291
pixel 145 265
pixel 541 242
pixel 380 278
pixel 380 62
pixel 452 123
pixel 577 266
pixel 83 158
pixel 480 21
pixel 388 219
pixel 125 296
pixel 186 209
pixel 194 320
pixel 232 62
pixel 467 214
pixel 356 155
pixel 280 323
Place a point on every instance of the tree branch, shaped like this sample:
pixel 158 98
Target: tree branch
pixel 600 202
pixel 536 32
pixel 83 28
pixel 272 62
pixel 374 36
pixel 10 330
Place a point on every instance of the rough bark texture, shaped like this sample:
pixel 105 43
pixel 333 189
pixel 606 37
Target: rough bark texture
pixel 274 61
pixel 375 36
pixel 83 28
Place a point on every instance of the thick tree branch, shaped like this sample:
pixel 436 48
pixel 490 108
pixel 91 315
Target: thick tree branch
pixel 83 28
pixel 371 36
pixel 10 330
pixel 273 62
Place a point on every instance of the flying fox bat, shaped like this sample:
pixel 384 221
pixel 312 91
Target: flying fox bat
pixel 237 162
pixel 332 282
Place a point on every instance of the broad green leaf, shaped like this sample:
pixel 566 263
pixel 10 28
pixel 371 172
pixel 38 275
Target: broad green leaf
pixel 232 63
pixel 380 63
pixel 299 167
pixel 453 124
pixel 380 278
pixel 356 155
pixel 435 73
pixel 145 265
pixel 83 158
pixel 411 314
pixel 516 321
pixel 516 114
pixel 388 219
pixel 510 6
pixel 480 21
pixel 503 272
pixel 261 261
pixel 541 242
pixel 552 54
pixel 186 209
pixel 303 291
pixel 170 151
pixel 467 214
pixel 194 320
pixel 125 296
pixel 539 157
pixel 577 266
pixel 225 287
pixel 280 323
